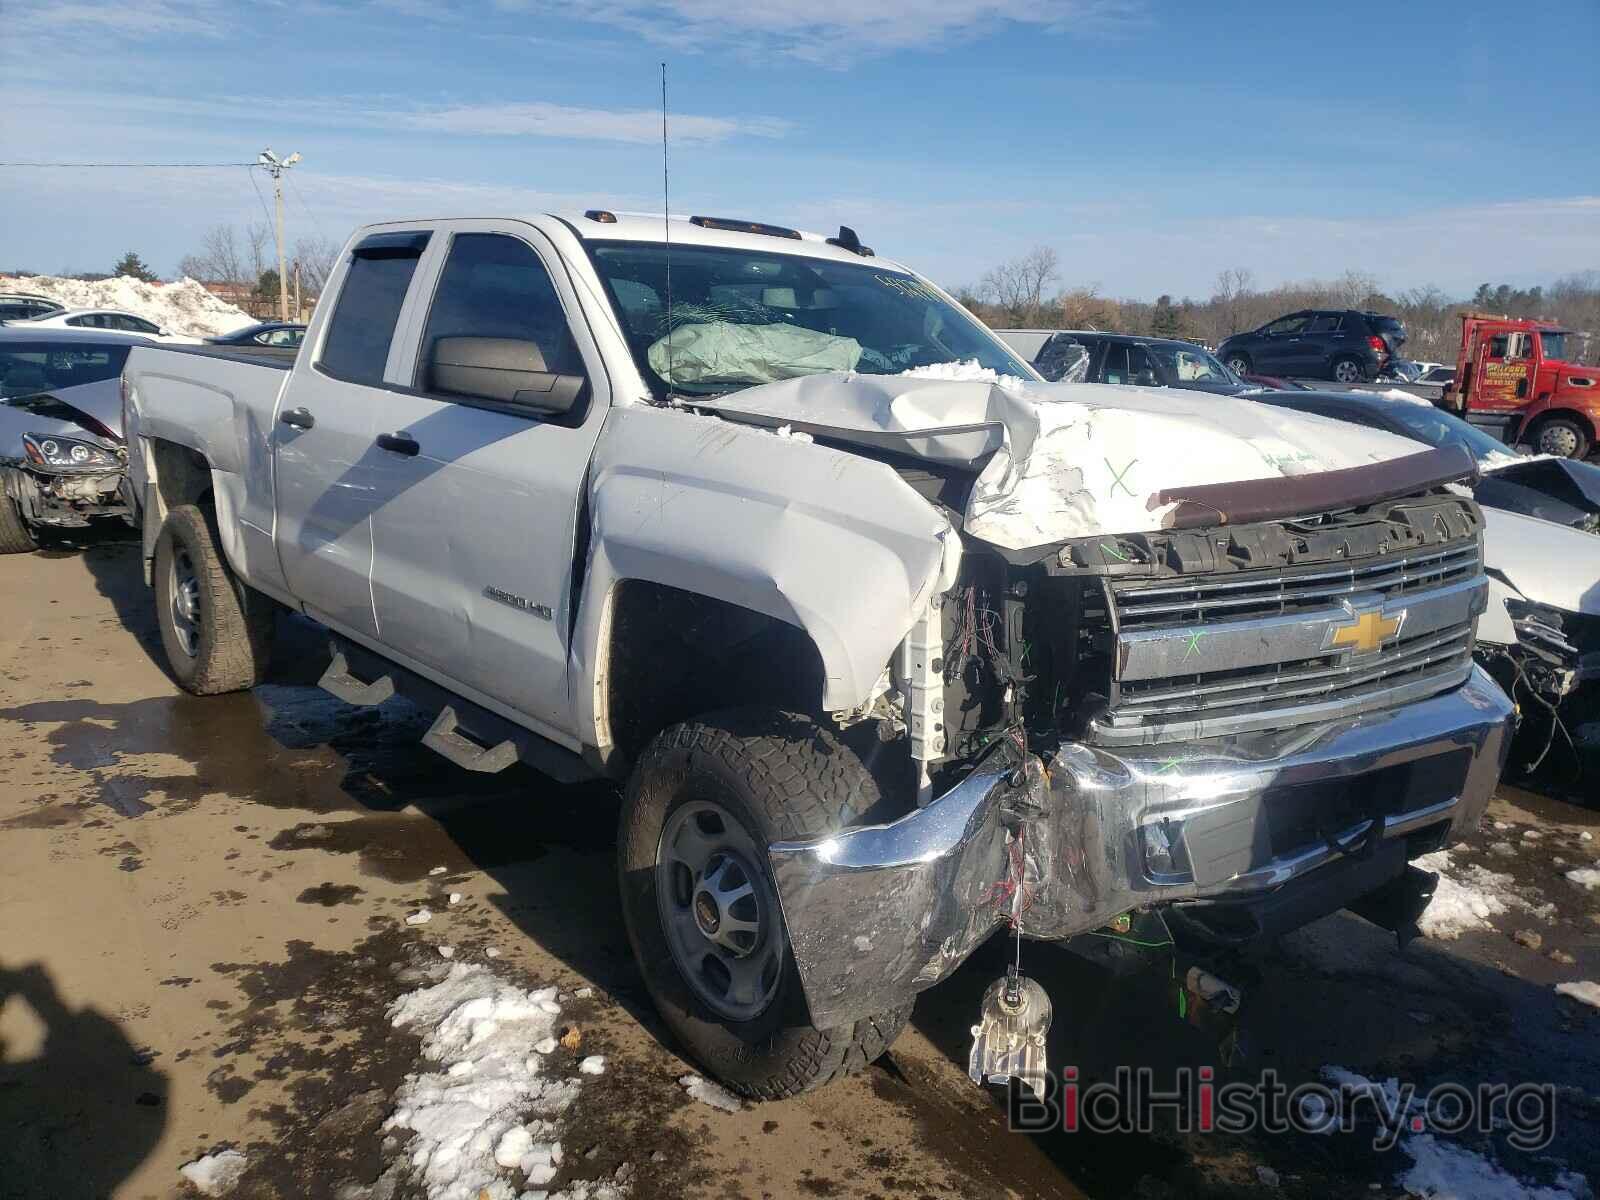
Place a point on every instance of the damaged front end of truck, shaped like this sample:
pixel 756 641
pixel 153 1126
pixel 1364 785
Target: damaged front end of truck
pixel 1252 714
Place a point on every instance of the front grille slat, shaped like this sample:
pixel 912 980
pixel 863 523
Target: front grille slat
pixel 1213 601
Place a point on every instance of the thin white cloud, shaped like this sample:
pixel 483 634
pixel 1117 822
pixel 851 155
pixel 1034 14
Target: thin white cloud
pixel 836 32
pixel 127 18
pixel 586 124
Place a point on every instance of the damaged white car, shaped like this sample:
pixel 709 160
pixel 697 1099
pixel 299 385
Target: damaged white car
pixel 895 645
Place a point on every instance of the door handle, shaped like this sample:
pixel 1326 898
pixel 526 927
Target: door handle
pixel 300 418
pixel 399 443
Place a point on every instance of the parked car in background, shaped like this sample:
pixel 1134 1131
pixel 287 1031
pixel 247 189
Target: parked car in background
pixel 23 306
pixel 269 335
pixel 62 459
pixel 1124 358
pixel 113 319
pixel 1345 345
pixel 1438 374
pixel 1541 514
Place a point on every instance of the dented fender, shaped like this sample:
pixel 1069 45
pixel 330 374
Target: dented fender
pixel 828 541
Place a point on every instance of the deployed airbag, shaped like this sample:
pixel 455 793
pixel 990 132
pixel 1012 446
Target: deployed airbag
pixel 725 352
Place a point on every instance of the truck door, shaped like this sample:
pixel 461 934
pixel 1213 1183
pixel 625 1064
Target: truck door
pixel 323 455
pixel 478 499
pixel 1503 375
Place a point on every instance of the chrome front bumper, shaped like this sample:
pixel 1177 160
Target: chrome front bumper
pixel 877 914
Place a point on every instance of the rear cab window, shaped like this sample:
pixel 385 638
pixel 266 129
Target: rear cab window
pixel 361 330
pixel 30 367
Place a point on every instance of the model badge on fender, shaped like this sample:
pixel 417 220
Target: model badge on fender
pixel 522 602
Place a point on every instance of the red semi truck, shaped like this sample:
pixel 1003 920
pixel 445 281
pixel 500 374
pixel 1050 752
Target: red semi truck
pixel 1514 379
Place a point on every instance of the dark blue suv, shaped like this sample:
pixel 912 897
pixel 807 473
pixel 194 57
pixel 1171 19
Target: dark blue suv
pixel 1342 344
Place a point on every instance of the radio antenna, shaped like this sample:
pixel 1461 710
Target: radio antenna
pixel 666 222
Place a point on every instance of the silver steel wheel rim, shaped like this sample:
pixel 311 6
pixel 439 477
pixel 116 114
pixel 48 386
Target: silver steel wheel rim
pixel 1346 372
pixel 184 587
pixel 718 911
pixel 1559 440
pixel 1238 366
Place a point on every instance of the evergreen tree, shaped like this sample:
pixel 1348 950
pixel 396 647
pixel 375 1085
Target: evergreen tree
pixel 1164 319
pixel 132 264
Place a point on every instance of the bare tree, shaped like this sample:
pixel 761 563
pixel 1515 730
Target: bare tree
pixel 1233 287
pixel 316 256
pixel 1018 286
pixel 227 256
pixel 1355 289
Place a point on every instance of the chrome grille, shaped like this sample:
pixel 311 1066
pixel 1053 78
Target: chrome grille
pixel 1210 598
pixel 1274 683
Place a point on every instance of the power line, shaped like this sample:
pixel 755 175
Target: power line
pixel 131 165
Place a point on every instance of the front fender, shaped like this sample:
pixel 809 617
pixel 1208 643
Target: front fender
pixel 831 542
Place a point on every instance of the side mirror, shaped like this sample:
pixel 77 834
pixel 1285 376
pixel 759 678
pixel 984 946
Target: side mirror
pixel 511 371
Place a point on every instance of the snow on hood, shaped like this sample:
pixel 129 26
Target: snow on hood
pixel 184 307
pixel 1067 459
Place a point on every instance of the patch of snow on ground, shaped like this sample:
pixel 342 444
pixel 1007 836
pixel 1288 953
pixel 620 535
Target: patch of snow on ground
pixel 1587 992
pixel 1460 904
pixel 1446 1171
pixel 492 1094
pixel 1588 877
pixel 183 307
pixel 710 1093
pixel 215 1174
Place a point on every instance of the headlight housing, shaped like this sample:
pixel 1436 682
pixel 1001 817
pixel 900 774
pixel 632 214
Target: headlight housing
pixel 67 454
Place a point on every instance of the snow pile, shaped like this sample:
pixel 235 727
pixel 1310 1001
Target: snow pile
pixel 1459 905
pixel 183 307
pixel 1587 992
pixel 1588 877
pixel 710 1093
pixel 491 1107
pixel 215 1174
pixel 1397 395
pixel 966 372
pixel 1449 1172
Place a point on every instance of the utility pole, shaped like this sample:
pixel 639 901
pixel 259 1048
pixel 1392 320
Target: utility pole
pixel 275 166
pixel 297 309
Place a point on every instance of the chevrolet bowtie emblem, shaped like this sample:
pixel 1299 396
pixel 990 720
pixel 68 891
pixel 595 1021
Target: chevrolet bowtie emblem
pixel 1367 632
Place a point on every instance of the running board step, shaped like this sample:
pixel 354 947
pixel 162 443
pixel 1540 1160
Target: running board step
pixel 446 738
pixel 339 681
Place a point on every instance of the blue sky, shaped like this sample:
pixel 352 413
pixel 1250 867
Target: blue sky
pixel 1151 143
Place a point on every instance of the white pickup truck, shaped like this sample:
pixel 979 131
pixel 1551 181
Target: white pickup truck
pixel 894 644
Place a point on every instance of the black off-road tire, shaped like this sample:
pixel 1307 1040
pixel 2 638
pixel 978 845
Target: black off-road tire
pixel 15 536
pixel 236 623
pixel 785 777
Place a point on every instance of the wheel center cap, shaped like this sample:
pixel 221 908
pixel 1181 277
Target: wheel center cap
pixel 706 914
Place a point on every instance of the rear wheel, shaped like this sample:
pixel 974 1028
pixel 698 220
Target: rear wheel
pixel 217 632
pixel 1348 370
pixel 706 799
pixel 1560 436
pixel 15 536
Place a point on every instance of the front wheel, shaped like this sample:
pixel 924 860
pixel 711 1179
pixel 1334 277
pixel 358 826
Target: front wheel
pixel 217 632
pixel 1562 437
pixel 15 536
pixel 1348 370
pixel 1238 364
pixel 705 800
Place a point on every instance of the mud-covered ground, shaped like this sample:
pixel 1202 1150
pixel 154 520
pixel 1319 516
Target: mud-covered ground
pixel 202 908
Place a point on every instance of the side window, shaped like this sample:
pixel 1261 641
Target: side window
pixel 1288 325
pixel 362 325
pixel 1144 371
pixel 1497 345
pixel 1325 323
pixel 140 325
pixel 80 322
pixel 1116 364
pixel 494 290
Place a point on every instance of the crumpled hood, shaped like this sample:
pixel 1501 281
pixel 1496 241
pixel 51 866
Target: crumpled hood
pixel 1547 563
pixel 86 412
pixel 1066 460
